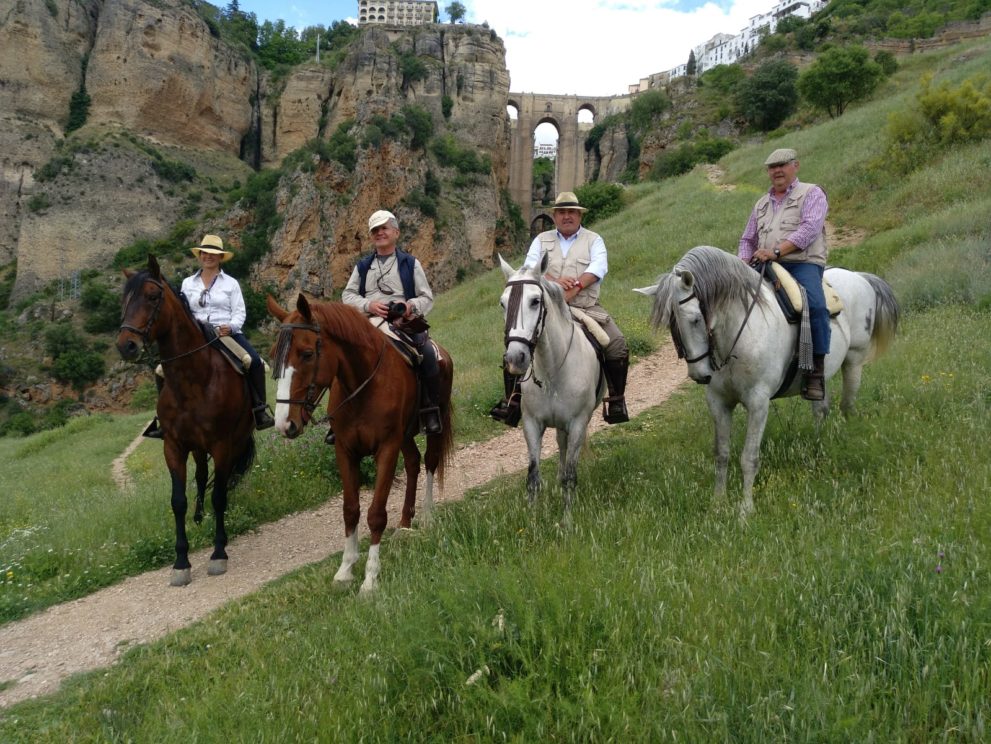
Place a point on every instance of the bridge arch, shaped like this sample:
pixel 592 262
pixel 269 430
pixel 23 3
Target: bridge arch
pixel 533 109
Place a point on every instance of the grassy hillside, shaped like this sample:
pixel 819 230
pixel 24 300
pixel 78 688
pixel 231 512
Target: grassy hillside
pixel 852 607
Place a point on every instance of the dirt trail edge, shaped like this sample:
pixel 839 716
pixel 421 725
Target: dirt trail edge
pixel 39 652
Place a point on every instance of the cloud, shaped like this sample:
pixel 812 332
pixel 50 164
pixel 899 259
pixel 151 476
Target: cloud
pixel 600 47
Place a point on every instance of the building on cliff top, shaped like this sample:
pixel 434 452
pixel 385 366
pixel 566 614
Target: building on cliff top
pixel 396 12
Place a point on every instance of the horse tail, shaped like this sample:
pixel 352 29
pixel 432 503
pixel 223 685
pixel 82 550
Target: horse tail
pixel 886 315
pixel 446 443
pixel 243 462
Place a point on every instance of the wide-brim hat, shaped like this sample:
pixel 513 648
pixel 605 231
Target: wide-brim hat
pixel 781 156
pixel 568 200
pixel 379 218
pixel 213 244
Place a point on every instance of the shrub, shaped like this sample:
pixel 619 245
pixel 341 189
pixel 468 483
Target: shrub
pixel 769 96
pixel 446 106
pixel 39 203
pixel 601 199
pixel 420 124
pixel 887 62
pixel 79 368
pixel 645 107
pixel 102 306
pixel 839 77
pixel 451 154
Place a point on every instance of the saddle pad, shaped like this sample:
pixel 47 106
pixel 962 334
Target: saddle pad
pixel 789 288
pixel 593 327
pixel 408 351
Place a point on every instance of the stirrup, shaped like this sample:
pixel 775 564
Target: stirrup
pixel 331 437
pixel 430 418
pixel 506 412
pixel 614 410
pixel 816 394
pixel 153 430
pixel 263 419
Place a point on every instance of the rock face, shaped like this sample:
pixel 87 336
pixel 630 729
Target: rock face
pixel 164 90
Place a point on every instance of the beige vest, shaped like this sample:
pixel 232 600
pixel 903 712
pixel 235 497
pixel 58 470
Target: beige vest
pixel 574 265
pixel 774 226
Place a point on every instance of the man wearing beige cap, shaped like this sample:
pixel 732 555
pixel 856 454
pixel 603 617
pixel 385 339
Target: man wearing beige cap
pixel 391 285
pixel 576 260
pixel 788 225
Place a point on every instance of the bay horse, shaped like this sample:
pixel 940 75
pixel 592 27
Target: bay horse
pixel 204 406
pixel 744 357
pixel 563 381
pixel 374 406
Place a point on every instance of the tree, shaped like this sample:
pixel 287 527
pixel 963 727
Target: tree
pixel 838 77
pixel 690 67
pixel 456 12
pixel 767 98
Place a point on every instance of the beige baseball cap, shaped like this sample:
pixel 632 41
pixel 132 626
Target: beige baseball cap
pixel 380 218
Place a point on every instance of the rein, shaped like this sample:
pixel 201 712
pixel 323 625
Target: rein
pixel 156 310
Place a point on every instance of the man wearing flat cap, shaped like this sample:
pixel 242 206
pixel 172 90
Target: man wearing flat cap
pixel 576 260
pixel 390 286
pixel 788 225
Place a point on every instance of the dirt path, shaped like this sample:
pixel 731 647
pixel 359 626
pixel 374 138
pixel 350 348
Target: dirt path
pixel 39 652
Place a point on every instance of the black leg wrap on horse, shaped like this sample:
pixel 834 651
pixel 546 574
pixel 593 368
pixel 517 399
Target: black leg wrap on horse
pixel 508 410
pixel 430 404
pixel 256 375
pixel 615 405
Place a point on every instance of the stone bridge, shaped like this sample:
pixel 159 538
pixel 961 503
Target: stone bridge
pixel 534 109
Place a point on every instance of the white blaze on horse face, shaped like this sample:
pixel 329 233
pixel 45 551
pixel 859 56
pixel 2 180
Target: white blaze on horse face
pixel 283 391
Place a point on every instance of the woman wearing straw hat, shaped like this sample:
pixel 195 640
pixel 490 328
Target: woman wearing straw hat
pixel 215 298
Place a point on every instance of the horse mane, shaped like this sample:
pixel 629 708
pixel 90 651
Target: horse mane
pixel 134 283
pixel 720 279
pixel 346 323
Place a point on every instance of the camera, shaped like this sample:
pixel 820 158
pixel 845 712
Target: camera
pixel 395 310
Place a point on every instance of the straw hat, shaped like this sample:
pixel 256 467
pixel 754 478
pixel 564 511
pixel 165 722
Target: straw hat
pixel 213 244
pixel 568 200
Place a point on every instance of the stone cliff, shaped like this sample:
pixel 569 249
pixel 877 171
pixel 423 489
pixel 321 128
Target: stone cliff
pixel 174 112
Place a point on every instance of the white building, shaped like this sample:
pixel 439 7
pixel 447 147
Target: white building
pixel 396 12
pixel 725 49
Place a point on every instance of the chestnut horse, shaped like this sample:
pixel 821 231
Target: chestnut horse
pixel 374 407
pixel 204 406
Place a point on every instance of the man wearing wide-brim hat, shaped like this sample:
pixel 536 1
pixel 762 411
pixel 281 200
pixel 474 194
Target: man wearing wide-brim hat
pixel 788 225
pixel 577 261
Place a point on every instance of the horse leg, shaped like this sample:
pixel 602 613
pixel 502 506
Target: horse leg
pixel 722 419
pixel 176 461
pixel 385 472
pixel 411 464
pixel 202 472
pixel 569 444
pixel 352 512
pixel 852 373
pixel 750 457
pixel 533 432
pixel 218 559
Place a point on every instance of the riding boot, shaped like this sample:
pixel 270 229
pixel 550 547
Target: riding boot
pixel 263 419
pixel 815 381
pixel 429 404
pixel 331 436
pixel 616 370
pixel 154 430
pixel 508 409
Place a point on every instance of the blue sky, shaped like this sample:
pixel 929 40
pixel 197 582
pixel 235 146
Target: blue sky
pixel 586 47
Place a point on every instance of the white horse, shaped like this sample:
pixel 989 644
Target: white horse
pixel 562 383
pixel 742 348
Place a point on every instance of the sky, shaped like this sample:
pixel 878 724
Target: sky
pixel 583 47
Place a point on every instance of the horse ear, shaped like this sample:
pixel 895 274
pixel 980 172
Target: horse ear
pixel 507 270
pixel 649 291
pixel 687 278
pixel 275 309
pixel 544 260
pixel 153 268
pixel 304 308
pixel 128 273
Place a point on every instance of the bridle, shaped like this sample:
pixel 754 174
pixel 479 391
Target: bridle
pixel 710 342
pixel 145 332
pixel 513 313
pixel 314 391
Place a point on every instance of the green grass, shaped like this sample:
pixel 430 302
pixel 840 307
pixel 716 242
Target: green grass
pixel 851 607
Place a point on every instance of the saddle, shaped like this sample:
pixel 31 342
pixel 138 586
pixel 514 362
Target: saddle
pixel 594 333
pixel 399 337
pixel 233 352
pixel 789 295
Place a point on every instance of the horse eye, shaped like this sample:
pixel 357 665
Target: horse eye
pixel 306 355
pixel 535 302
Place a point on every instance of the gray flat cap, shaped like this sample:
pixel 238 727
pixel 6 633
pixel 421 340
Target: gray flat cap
pixel 784 155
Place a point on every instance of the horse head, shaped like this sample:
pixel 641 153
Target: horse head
pixel 145 294
pixel 524 307
pixel 296 354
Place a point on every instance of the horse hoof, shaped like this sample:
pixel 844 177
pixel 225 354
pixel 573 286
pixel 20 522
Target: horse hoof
pixel 368 588
pixel 217 567
pixel 180 577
